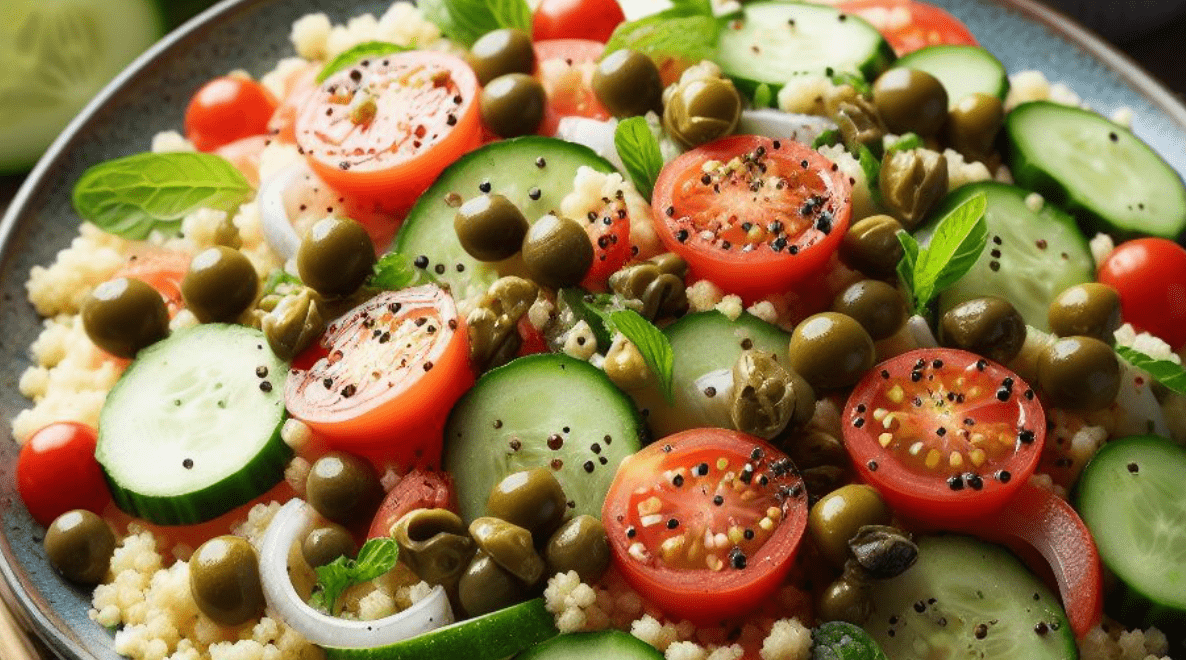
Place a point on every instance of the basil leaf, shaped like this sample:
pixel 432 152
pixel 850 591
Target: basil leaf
pixel 668 34
pixel 909 259
pixel 872 169
pixel 839 640
pixel 467 20
pixel 1170 374
pixel 357 54
pixel 653 344
pixel 376 557
pixel 394 271
pixel 639 151
pixel 955 246
pixel 594 309
pixel 132 196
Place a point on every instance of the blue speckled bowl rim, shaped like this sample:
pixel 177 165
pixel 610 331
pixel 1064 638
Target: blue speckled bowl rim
pixel 27 590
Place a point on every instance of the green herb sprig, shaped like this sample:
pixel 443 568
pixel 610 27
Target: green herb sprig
pixel 352 56
pixel 639 150
pixel 955 246
pixel 376 557
pixel 467 20
pixel 1170 374
pixel 651 343
pixel 394 271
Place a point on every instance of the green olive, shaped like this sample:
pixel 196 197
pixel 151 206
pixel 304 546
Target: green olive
pixel 219 285
pixel 124 315
pixel 490 227
pixel 224 579
pixel 513 105
pixel 859 123
pixel 434 544
pixel 580 545
pixel 871 245
pixel 973 124
pixel 912 183
pixel 343 488
pixel 837 517
pixel 324 544
pixel 877 306
pixel 660 293
pixel 910 101
pixel 79 544
pixel 701 110
pixel 831 350
pixel 989 326
pixel 557 251
pixel 336 256
pixel 1079 373
pixel 294 323
pixel 627 83
pixel 531 499
pixel 500 52
pixel 510 545
pixel 493 325
pixel 764 398
pixel 1090 310
pixel 625 365
pixel 884 552
pixel 670 263
pixel 487 587
pixel 845 600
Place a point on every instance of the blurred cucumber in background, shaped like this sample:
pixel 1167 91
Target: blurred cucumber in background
pixel 57 54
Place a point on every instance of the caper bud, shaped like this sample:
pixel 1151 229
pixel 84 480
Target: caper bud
pixel 219 285
pixel 343 487
pixel 660 294
pixel 845 600
pixel 764 399
pixel 493 337
pixel 837 517
pixel 500 52
pixel 670 263
pixel 627 83
pixel 510 545
pixel 1079 373
pixel 859 123
pixel 871 245
pixel 831 350
pixel 79 544
pixel 580 545
pixel 557 251
pixel 434 544
pixel 989 326
pixel 294 324
pixel 336 256
pixel 324 544
pixel 1091 310
pixel 883 551
pixel 973 124
pixel 124 315
pixel 487 587
pixel 224 579
pixel 513 105
pixel 877 306
pixel 910 101
pixel 490 227
pixel 912 183
pixel 531 499
pixel 701 110
pixel 625 365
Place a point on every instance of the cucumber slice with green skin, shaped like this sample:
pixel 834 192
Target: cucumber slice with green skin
pixel 963 70
pixel 769 42
pixel 57 55
pixel 192 428
pixel 706 345
pixel 604 645
pixel 518 169
pixel 966 599
pixel 545 410
pixel 1103 174
pixel 1130 497
pixel 489 637
pixel 1030 258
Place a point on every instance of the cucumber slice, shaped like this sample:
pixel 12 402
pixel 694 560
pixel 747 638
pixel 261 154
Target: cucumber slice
pixel 963 70
pixel 706 345
pixel 770 42
pixel 1103 174
pixel 604 645
pixel 516 169
pixel 1130 496
pixel 192 428
pixel 546 410
pixel 489 637
pixel 1031 257
pixel 57 55
pixel 937 607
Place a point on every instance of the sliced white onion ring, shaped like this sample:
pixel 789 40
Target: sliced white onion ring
pixel 773 123
pixel 278 230
pixel 593 133
pixel 293 518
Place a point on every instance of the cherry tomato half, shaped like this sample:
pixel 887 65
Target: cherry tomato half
pixel 576 19
pixel 909 25
pixel 944 433
pixel 668 500
pixel 57 472
pixel 752 214
pixel 565 69
pixel 226 109
pixel 1150 275
pixel 609 231
pixel 418 489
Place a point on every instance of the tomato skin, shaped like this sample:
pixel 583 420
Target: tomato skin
pixel 57 472
pixel 163 270
pixel 1150 275
pixel 611 245
pixel 418 489
pixel 567 81
pixel 226 109
pixel 703 595
pixel 928 24
pixel 576 19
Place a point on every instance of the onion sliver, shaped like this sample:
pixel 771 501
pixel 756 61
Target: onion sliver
pixel 783 125
pixel 318 627
pixel 278 230
pixel 593 133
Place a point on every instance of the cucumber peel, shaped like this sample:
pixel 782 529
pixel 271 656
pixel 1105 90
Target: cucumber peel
pixel 603 645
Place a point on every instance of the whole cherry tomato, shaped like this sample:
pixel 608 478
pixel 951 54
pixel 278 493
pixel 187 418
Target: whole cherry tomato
pixel 226 109
pixel 57 472
pixel 576 19
pixel 1150 275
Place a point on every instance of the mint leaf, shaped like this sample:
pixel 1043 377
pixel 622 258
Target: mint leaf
pixel 639 151
pixel 668 34
pixel 132 196
pixel 909 258
pixel 955 246
pixel 1170 374
pixel 467 20
pixel 354 55
pixel 376 557
pixel 651 343
pixel 872 169
pixel 395 271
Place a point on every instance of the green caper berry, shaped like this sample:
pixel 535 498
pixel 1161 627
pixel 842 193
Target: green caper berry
pixel 79 544
pixel 989 326
pixel 871 245
pixel 485 587
pixel 434 543
pixel 859 123
pixel 557 251
pixel 224 580
pixel 1091 309
pixel 510 545
pixel 490 227
pixel 831 350
pixel 884 552
pixel 845 600
pixel 324 544
pixel 973 124
pixel 877 306
pixel 910 101
pixel 763 397
pixel 701 110
pixel 513 105
pixel 343 487
pixel 627 83
pixel 220 284
pixel 580 545
pixel 124 315
pixel 336 256
pixel 912 183
pixel 1079 373
pixel 532 499
pixel 294 323
pixel 500 52
pixel 840 514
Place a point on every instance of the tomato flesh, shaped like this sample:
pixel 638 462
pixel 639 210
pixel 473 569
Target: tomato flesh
pixel 57 472
pixel 1150 276
pixel 418 489
pixel 909 25
pixel 609 231
pixel 227 109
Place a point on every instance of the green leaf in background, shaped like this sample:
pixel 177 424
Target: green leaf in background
pixel 651 343
pixel 1170 374
pixel 871 166
pixel 353 55
pixel 909 259
pixel 639 150
pixel 132 196
pixel 668 34
pixel 955 246
pixel 467 20
pixel 839 640
pixel 395 271
pixel 376 557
